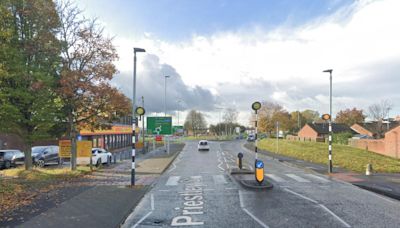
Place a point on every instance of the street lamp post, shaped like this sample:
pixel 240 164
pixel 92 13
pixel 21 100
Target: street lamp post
pixel 330 119
pixel 134 121
pixel 143 131
pixel 165 95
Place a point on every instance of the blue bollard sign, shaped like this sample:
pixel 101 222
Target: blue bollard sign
pixel 259 171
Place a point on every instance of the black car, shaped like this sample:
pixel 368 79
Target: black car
pixel 9 158
pixel 42 155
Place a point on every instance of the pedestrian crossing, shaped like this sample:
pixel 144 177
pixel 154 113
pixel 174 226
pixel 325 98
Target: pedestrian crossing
pixel 280 178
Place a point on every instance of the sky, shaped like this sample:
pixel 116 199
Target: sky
pixel 230 53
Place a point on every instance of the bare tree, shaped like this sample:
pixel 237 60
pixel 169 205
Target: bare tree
pixel 195 122
pixel 380 111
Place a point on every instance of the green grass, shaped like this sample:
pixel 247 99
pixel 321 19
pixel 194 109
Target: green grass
pixel 342 155
pixel 38 174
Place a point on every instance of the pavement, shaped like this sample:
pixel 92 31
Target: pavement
pixel 101 199
pixel 387 184
pixel 198 190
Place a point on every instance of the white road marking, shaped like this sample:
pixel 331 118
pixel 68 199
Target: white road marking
pixel 231 189
pixel 142 219
pixel 320 205
pixel 174 167
pixel 297 178
pixel 152 202
pixel 173 180
pixel 300 195
pixel 219 179
pixel 249 213
pixel 334 215
pixel 318 178
pixel 275 177
pixel 208 189
pixel 163 190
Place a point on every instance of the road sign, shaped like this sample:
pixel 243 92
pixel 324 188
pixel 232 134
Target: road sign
pixel 259 171
pixel 65 148
pixel 326 117
pixel 159 125
pixel 177 129
pixel 84 149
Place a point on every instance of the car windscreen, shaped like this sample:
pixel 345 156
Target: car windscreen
pixel 37 150
pixel 203 143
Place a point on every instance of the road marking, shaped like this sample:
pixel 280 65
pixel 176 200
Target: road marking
pixel 163 190
pixel 174 167
pixel 173 180
pixel 334 215
pixel 297 178
pixel 275 177
pixel 208 189
pixel 249 213
pixel 219 179
pixel 318 178
pixel 231 189
pixel 300 195
pixel 149 213
pixel 219 166
pixel 152 202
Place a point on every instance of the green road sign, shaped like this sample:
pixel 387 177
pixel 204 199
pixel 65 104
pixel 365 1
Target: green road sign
pixel 177 129
pixel 159 125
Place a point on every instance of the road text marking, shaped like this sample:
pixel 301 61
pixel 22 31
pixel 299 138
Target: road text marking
pixel 173 180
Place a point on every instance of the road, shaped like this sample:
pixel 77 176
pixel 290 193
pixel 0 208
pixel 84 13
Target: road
pixel 197 190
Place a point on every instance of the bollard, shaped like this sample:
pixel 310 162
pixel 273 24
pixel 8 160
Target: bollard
pixel 115 158
pixel 368 171
pixel 240 157
pixel 259 172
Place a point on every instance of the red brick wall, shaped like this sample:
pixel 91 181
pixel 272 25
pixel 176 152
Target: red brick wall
pixel 361 130
pixel 389 146
pixel 308 133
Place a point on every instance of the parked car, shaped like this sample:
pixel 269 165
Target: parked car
pixel 43 155
pixel 251 138
pixel 10 158
pixel 203 145
pixel 100 156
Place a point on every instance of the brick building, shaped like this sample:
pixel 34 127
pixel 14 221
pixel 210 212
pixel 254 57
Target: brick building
pixel 374 129
pixel 320 131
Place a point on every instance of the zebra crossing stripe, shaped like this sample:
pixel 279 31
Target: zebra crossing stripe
pixel 318 178
pixel 173 180
pixel 275 177
pixel 297 178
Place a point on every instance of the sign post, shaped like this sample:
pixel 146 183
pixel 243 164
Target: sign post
pixel 159 125
pixel 327 117
pixel 256 106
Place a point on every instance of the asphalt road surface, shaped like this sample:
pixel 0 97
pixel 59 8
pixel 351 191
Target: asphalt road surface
pixel 198 191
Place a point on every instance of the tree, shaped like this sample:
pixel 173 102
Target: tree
pixel 29 65
pixel 87 69
pixel 380 111
pixel 230 118
pixel 350 116
pixel 195 122
pixel 310 116
pixel 269 114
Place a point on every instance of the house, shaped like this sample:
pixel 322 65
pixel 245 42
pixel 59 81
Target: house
pixel 320 131
pixel 374 129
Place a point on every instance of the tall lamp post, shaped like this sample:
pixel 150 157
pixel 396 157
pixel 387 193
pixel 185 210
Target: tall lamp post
pixel 165 95
pixel 330 119
pixel 134 121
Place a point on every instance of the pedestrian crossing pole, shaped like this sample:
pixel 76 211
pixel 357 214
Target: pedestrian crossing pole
pixel 256 106
pixel 330 118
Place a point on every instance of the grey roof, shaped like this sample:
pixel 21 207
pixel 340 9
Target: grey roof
pixel 323 128
pixel 375 127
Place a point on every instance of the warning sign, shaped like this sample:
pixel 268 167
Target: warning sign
pixel 84 148
pixel 65 149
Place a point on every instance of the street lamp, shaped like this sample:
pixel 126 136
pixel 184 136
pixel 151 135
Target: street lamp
pixel 165 95
pixel 179 105
pixel 134 121
pixel 330 119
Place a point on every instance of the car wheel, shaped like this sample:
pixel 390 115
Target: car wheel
pixel 40 163
pixel 7 164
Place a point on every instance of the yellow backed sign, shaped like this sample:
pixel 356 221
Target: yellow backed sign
pixel 259 172
pixel 84 149
pixel 65 148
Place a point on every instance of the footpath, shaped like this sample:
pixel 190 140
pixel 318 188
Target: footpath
pixel 387 184
pixel 103 198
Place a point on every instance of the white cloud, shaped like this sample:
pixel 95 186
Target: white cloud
pixel 359 43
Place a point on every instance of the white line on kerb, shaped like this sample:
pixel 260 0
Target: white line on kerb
pixel 149 213
pixel 249 213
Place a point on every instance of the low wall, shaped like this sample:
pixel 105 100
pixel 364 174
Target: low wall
pixel 374 145
pixel 304 139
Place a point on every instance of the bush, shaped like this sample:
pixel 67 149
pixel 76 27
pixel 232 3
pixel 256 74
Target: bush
pixel 342 138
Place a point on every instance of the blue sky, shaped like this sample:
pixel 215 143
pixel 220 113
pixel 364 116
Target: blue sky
pixel 174 20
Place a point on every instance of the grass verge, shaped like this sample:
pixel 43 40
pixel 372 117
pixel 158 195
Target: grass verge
pixel 342 155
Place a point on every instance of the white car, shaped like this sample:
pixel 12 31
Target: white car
pixel 203 145
pixel 100 156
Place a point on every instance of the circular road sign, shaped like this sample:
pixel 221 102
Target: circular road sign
pixel 256 106
pixel 326 117
pixel 259 164
pixel 140 111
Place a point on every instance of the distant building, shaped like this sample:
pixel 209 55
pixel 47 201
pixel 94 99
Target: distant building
pixel 375 129
pixel 320 131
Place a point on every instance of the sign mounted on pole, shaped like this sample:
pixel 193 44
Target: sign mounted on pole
pixel 159 125
pixel 65 148
pixel 84 149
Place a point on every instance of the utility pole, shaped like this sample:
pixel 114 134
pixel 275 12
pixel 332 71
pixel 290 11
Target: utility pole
pixel 330 119
pixel 165 95
pixel 144 132
pixel 277 137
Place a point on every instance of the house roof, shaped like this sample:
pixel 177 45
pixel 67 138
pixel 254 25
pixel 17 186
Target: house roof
pixel 374 127
pixel 323 128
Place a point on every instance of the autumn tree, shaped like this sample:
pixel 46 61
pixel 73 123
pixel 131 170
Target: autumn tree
pixel 310 116
pixel 87 69
pixel 29 62
pixel 269 114
pixel 350 116
pixel 195 122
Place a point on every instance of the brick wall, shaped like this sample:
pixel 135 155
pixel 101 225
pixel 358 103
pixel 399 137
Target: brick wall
pixel 389 146
pixel 308 133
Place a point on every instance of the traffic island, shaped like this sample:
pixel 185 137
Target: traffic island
pixel 256 185
pixel 246 178
pixel 234 171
